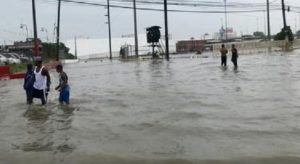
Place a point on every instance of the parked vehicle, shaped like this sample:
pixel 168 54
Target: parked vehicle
pixel 3 59
pixel 24 58
pixel 11 58
pixel 14 55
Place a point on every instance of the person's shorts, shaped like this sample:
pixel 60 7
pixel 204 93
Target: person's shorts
pixel 38 93
pixel 64 94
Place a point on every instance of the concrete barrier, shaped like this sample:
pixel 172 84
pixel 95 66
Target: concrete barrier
pixel 69 61
pixel 5 74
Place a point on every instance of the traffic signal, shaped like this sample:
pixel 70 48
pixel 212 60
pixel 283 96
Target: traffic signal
pixel 153 34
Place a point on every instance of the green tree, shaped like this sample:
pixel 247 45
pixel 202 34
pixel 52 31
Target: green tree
pixel 49 51
pixel 285 32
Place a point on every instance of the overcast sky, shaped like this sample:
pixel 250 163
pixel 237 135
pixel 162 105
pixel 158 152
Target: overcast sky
pixel 88 21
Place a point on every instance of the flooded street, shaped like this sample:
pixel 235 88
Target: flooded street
pixel 187 110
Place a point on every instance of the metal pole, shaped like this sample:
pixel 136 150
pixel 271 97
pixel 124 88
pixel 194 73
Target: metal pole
pixel 166 29
pixel 109 29
pixel 36 47
pixel 27 31
pixel 58 31
pixel 296 25
pixel 135 30
pixel 46 31
pixel 226 35
pixel 47 35
pixel 257 24
pixel 75 47
pixel 265 24
pixel 54 33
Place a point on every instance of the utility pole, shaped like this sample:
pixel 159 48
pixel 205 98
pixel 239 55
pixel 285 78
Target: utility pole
pixel 286 47
pixel 226 34
pixel 268 20
pixel 109 29
pixel 36 46
pixel 135 30
pixel 283 14
pixel 58 31
pixel 269 26
pixel 166 29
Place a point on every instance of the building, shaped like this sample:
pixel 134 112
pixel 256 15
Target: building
pixel 24 47
pixel 223 33
pixel 192 45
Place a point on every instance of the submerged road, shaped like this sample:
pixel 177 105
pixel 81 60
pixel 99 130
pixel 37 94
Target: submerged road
pixel 158 112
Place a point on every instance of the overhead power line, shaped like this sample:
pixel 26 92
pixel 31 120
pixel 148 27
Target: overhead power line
pixel 170 10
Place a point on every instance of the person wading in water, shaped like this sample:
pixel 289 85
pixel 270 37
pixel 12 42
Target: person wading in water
pixel 224 52
pixel 28 83
pixel 63 87
pixel 41 85
pixel 234 56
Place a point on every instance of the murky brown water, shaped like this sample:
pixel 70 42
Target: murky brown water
pixel 188 110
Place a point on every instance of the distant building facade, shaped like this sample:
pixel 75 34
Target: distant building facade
pixel 24 47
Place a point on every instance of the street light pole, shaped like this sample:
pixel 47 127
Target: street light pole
pixel 36 47
pixel 166 29
pixel 46 31
pixel 135 30
pixel 54 32
pixel 109 29
pixel 257 24
pixel 26 28
pixel 226 28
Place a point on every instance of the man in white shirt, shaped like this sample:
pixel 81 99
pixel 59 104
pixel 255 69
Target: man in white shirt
pixel 42 81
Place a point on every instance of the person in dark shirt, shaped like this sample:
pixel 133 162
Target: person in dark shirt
pixel 28 83
pixel 234 56
pixel 63 86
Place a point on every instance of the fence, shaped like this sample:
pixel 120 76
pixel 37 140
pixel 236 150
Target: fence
pixel 143 50
pixel 254 47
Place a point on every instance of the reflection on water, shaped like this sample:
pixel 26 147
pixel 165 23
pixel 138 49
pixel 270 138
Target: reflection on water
pixel 187 110
pixel 47 129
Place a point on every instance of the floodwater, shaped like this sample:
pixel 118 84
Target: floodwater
pixel 185 111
